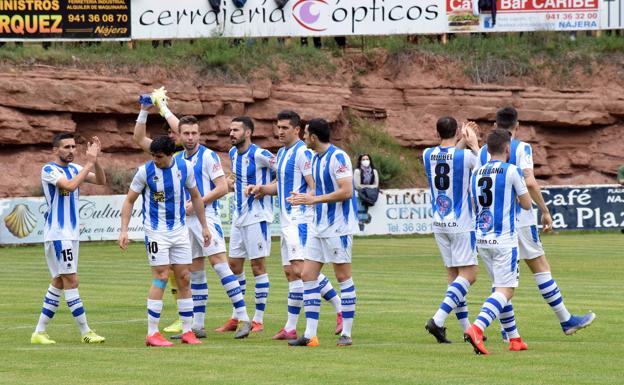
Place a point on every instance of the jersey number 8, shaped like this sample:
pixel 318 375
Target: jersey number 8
pixel 442 180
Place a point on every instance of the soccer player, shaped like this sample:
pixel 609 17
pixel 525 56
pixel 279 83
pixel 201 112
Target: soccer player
pixel 158 98
pixel 530 246
pixel 250 236
pixel 294 173
pixel 331 235
pixel 61 180
pixel 448 171
pixel 496 189
pixel 163 183
pixel 212 185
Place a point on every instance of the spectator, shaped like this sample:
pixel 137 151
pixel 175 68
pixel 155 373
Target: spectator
pixel 366 179
pixel 621 175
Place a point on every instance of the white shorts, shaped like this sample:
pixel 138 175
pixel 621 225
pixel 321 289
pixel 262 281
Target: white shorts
pixel 196 238
pixel 62 257
pixel 168 248
pixel 457 249
pixel 293 243
pixel 502 265
pixel 251 241
pixel 330 250
pixel 529 243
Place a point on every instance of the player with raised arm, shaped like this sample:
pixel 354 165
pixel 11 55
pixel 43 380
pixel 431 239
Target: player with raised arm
pixel 331 235
pixel 530 247
pixel 448 170
pixel 496 189
pixel 294 174
pixel 163 183
pixel 61 180
pixel 250 236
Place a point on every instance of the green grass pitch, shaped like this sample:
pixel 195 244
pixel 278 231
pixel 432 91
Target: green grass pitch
pixel 399 281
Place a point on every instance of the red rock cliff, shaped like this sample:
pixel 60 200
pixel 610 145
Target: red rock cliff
pixel 576 133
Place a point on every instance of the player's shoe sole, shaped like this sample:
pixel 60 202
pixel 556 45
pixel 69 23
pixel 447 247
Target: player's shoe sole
pixel 344 341
pixel 475 337
pixel 302 341
pixel 190 339
pixel 516 344
pixel 243 330
pixel 199 333
pixel 175 327
pixel 229 326
pixel 338 329
pixel 158 340
pixel 284 335
pixel 576 323
pixel 439 332
pixel 41 338
pixel 92 338
pixel 256 327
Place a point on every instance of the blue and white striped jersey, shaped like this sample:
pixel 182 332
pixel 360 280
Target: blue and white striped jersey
pixel 252 167
pixel 494 189
pixel 163 192
pixel 206 167
pixel 521 155
pixel 293 165
pixel 61 218
pixel 448 172
pixel 339 218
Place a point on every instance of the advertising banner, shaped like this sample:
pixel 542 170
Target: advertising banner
pixel 53 20
pixel 397 211
pixel 612 14
pixel 159 19
pixel 524 15
pixel 585 207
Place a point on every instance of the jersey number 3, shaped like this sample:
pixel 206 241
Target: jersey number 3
pixel 485 197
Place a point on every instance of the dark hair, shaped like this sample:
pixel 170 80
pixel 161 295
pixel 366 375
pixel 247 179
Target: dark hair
pixel 320 128
pixel 56 140
pixel 359 161
pixel 291 116
pixel 497 139
pixel 359 165
pixel 507 118
pixel 162 144
pixel 247 122
pixel 447 127
pixel 188 120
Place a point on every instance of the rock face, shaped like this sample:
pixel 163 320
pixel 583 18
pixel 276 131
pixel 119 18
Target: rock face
pixel 576 133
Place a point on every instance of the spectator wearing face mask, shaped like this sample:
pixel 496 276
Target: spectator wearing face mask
pixel 366 180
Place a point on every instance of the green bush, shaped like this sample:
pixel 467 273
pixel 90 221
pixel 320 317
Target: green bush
pixel 118 179
pixel 398 167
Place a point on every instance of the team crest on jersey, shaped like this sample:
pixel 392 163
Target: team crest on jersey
pixel 485 221
pixel 155 179
pixel 158 196
pixel 444 204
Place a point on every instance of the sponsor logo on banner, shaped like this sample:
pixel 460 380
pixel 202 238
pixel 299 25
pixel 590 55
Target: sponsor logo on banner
pixel 190 18
pixel 404 211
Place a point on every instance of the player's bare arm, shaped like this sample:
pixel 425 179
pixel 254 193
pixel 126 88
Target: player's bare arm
pixel 198 207
pixel 72 184
pixel 343 193
pixel 220 190
pixel 260 190
pixel 99 176
pixel 139 135
pixel 536 194
pixel 525 201
pixel 126 212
